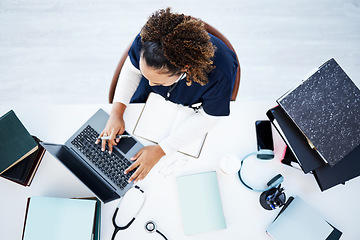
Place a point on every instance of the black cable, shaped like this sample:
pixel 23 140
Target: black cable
pixel 161 234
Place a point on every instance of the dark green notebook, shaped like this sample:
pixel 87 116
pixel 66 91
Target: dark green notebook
pixel 16 142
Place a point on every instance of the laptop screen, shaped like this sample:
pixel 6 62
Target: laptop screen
pixel 89 177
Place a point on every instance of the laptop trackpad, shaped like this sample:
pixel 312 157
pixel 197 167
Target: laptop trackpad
pixel 126 144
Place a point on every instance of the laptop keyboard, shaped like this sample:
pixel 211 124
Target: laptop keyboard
pixel 112 165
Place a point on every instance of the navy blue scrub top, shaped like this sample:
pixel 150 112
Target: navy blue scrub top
pixel 215 95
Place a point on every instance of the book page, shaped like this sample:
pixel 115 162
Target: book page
pixel 156 119
pixel 194 147
pixel 160 118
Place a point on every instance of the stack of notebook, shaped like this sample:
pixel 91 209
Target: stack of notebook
pixel 319 120
pixel 20 153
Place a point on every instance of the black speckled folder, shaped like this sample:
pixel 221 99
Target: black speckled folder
pixel 326 108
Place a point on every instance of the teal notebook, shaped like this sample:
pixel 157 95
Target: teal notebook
pixel 97 227
pixel 50 218
pixel 16 142
pixel 200 203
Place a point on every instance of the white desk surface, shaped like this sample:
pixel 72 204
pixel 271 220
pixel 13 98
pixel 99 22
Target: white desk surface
pixel 245 218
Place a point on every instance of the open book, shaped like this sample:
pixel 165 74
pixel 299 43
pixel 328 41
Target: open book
pixel 159 118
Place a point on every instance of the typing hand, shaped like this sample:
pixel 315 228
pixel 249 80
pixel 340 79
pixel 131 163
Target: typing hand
pixel 145 160
pixel 114 126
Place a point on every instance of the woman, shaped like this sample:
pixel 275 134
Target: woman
pixel 175 57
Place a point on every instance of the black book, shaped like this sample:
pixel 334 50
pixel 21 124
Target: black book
pixel 290 159
pixel 348 168
pixel 326 108
pixel 23 172
pixel 307 157
pixel 325 175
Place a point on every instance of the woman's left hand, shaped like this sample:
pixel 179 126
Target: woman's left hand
pixel 145 160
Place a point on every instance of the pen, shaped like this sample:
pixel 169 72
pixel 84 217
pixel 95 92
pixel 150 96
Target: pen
pixel 117 137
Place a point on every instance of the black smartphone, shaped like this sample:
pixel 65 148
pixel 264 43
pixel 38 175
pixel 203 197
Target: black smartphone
pixel 264 136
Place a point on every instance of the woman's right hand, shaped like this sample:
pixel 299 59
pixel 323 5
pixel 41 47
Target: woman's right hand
pixel 114 126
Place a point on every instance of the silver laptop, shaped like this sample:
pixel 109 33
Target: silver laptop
pixel 101 172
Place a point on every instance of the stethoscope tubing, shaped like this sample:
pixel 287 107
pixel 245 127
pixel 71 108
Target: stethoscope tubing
pixel 161 234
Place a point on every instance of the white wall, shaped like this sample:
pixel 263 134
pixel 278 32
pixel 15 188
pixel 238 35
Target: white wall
pixel 65 51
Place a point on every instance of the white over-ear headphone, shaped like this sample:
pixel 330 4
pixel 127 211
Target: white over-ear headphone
pixel 263 154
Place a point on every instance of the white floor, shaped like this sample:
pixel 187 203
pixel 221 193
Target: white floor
pixel 65 51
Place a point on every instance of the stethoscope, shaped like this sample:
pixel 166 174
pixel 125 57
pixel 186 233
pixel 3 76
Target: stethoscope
pixel 172 87
pixel 150 226
pixel 116 226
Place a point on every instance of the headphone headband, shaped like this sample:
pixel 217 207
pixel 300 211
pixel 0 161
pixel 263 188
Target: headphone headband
pixel 266 155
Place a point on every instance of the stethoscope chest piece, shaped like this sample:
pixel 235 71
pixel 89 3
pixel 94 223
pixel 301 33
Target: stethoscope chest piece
pixel 150 227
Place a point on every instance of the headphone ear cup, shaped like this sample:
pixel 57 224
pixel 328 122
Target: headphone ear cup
pixel 275 181
pixel 265 154
pixel 262 199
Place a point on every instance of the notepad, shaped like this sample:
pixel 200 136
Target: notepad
pixel 200 203
pixel 59 219
pixel 159 118
pixel 298 222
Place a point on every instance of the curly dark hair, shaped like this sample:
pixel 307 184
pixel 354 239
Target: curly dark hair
pixel 176 42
